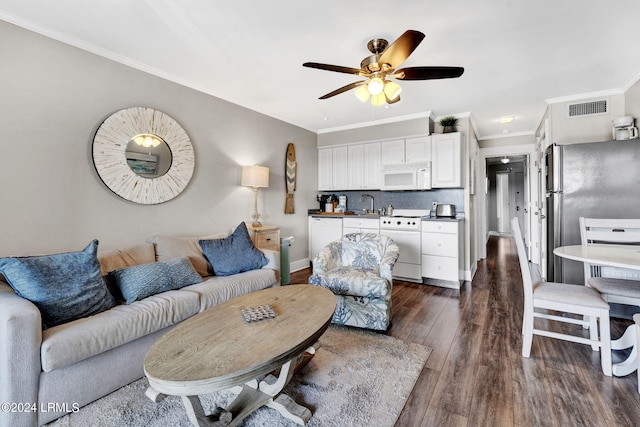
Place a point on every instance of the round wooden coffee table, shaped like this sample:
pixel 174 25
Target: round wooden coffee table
pixel 217 350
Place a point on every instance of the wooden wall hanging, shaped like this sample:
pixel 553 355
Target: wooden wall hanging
pixel 290 177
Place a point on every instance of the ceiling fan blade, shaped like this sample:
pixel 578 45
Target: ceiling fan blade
pixel 398 51
pixel 336 68
pixel 428 73
pixel 343 89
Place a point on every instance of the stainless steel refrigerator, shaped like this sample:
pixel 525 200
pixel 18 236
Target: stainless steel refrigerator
pixel 595 180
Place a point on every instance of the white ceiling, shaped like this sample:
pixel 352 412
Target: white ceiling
pixel 517 54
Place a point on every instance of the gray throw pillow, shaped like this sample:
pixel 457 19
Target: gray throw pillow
pixel 64 287
pixel 233 254
pixel 140 281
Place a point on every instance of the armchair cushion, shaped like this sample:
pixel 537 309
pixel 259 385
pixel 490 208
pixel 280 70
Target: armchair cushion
pixel 362 250
pixel 355 282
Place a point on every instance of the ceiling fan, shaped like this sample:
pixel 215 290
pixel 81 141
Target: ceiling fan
pixel 383 64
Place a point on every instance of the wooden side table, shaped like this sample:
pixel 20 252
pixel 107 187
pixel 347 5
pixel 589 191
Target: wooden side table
pixel 265 237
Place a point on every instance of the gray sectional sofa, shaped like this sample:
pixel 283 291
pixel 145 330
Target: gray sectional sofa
pixel 45 373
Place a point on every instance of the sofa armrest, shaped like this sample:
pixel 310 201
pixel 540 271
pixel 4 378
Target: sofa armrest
pixel 274 261
pixel 20 342
pixel 328 258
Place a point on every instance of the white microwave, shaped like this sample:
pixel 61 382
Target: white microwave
pixel 406 179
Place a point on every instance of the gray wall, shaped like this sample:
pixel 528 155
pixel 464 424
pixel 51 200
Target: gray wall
pixel 53 98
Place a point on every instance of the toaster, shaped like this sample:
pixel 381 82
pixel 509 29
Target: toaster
pixel 448 211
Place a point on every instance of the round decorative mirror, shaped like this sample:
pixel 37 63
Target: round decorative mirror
pixel 143 155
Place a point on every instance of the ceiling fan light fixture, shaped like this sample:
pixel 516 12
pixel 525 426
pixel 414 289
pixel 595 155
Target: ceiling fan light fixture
pixel 147 140
pixel 362 93
pixel 505 160
pixel 378 100
pixel 392 90
pixel 375 86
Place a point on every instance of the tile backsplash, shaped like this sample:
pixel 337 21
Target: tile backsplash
pixel 403 199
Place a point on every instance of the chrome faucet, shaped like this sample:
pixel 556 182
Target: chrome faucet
pixel 370 196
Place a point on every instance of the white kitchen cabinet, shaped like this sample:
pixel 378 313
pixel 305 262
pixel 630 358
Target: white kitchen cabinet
pixel 323 231
pixel 446 167
pixel 332 169
pixel 355 171
pixel 393 152
pixel 417 150
pixel 372 155
pixel 325 169
pixel 340 168
pixel 442 252
pixel 406 151
pixel 360 225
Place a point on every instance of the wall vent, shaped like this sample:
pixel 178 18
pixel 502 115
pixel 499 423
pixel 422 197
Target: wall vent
pixel 592 108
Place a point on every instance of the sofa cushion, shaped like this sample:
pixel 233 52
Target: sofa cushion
pixel 121 258
pixel 218 289
pixel 233 254
pixel 64 287
pixel 170 247
pixel 140 281
pixel 72 342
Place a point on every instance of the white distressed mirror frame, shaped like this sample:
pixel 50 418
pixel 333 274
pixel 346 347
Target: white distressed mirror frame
pixel 110 144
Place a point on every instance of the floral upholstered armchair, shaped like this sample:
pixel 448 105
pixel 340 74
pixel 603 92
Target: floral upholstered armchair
pixel 358 270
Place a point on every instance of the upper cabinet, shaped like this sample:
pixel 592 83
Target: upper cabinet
pixel 406 151
pixel 359 166
pixel 446 169
pixel 352 167
pixel 325 169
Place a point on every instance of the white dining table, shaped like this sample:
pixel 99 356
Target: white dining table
pixel 622 256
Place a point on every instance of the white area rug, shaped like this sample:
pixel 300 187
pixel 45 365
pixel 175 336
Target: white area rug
pixel 357 378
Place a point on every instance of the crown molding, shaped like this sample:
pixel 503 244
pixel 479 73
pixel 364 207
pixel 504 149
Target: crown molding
pixel 583 96
pixel 427 114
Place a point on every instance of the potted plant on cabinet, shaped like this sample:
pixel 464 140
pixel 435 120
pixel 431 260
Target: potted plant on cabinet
pixel 448 124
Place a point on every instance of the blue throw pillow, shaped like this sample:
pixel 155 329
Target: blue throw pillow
pixel 140 281
pixel 64 287
pixel 233 254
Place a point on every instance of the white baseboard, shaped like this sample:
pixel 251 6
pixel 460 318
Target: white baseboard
pixel 300 264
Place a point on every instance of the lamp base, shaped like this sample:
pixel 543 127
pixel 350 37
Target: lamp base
pixel 256 224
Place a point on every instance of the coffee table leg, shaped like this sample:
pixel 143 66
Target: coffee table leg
pixel 251 397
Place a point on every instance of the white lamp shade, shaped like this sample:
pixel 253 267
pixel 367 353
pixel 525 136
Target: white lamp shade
pixel 362 93
pixel 392 90
pixel 255 176
pixel 378 99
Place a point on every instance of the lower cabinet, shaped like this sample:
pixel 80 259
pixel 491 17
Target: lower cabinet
pixel 360 225
pixel 322 231
pixel 442 252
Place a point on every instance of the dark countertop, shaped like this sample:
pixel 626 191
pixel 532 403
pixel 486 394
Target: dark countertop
pixel 442 219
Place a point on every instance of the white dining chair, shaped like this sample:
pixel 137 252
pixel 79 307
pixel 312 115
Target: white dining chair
pixel 539 297
pixel 616 285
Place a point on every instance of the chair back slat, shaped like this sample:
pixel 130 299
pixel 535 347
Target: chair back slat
pixel 609 231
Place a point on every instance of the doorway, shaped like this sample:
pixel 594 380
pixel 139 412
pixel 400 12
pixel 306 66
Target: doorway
pixel 507 194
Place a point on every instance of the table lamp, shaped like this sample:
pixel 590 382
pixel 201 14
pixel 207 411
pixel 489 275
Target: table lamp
pixel 256 177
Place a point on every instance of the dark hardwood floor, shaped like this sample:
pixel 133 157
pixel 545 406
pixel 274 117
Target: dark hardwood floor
pixel 476 375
